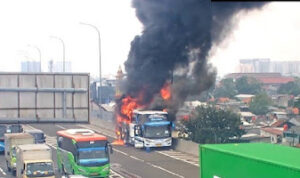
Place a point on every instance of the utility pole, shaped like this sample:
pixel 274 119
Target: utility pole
pixel 100 70
pixel 64 50
pixel 40 55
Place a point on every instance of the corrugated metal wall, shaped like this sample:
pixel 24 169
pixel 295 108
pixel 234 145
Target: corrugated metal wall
pixel 44 97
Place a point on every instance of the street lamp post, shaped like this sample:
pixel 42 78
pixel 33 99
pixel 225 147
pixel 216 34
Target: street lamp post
pixel 40 55
pixel 64 50
pixel 100 70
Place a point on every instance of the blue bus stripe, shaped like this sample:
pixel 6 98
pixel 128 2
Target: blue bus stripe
pixel 157 123
pixel 92 149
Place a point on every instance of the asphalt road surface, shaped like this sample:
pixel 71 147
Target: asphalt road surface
pixel 126 161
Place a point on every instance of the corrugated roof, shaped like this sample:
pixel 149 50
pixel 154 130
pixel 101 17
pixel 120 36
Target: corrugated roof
pixel 275 80
pixel 272 153
pixel 272 131
pixel 277 123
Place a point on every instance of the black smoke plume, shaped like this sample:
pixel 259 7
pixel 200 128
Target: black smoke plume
pixel 177 38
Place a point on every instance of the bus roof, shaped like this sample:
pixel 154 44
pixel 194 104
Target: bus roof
pixel 149 112
pixel 81 135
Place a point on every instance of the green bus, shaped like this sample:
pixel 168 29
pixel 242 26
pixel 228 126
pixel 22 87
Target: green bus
pixel 83 152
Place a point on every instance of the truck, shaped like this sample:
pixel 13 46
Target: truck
pixel 248 160
pixel 148 129
pixel 34 160
pixel 11 141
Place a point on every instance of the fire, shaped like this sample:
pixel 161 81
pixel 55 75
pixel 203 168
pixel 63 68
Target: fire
pixel 118 142
pixel 165 92
pixel 128 104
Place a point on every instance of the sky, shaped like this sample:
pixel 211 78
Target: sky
pixel 272 32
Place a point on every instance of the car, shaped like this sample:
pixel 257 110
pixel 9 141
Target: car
pixel 2 132
pixel 14 128
pixel 38 135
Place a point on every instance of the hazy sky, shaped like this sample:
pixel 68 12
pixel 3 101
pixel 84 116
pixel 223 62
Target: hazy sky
pixel 273 32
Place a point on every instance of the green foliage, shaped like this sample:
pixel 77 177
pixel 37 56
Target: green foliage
pixel 291 88
pixel 260 103
pixel 248 85
pixel 227 89
pixel 212 125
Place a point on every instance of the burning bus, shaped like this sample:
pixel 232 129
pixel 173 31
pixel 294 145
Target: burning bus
pixel 142 125
pixel 147 129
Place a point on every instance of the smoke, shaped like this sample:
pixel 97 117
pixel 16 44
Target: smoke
pixel 174 46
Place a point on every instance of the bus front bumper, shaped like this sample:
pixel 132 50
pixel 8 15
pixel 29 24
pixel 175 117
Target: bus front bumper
pixel 157 142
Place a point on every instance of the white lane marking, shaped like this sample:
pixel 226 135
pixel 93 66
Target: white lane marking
pixel 175 155
pixel 62 127
pixel 114 174
pixel 181 157
pixel 138 159
pixel 100 130
pixel 3 172
pixel 121 152
pixel 133 157
pixel 50 141
pixel 153 165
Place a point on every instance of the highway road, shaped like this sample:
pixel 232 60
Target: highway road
pixel 126 161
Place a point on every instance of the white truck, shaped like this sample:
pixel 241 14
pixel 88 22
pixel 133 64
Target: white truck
pixel 148 129
pixel 11 141
pixel 34 160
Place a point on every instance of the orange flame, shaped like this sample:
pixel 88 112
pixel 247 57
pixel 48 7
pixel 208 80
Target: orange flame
pixel 165 92
pixel 118 142
pixel 129 104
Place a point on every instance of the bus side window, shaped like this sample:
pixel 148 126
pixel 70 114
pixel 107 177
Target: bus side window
pixel 134 118
pixel 59 142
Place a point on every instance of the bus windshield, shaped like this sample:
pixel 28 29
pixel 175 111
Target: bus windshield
pixel 95 156
pixel 92 153
pixel 42 169
pixel 161 131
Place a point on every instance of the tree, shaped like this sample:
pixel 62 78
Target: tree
pixel 291 88
pixel 260 103
pixel 248 85
pixel 212 125
pixel 226 89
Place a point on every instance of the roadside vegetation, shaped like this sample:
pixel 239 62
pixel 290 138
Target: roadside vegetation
pixel 212 125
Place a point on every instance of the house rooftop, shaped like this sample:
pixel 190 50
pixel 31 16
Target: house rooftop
pixel 275 131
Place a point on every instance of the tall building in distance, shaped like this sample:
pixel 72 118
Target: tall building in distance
pixel 254 65
pixel 30 66
pixel 57 66
pixel 266 66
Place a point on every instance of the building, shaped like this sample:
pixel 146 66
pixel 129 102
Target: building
pixel 254 65
pixel 270 81
pixel 291 68
pixel 292 136
pixel 58 66
pixel 30 66
pixel 273 132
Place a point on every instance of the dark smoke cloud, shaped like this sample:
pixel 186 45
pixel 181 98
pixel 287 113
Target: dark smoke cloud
pixel 178 36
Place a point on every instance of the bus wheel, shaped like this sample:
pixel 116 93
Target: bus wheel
pixel 63 172
pixel 8 168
